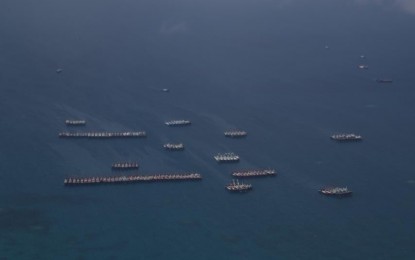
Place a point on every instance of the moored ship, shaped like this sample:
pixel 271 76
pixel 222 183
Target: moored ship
pixel 336 191
pixel 235 133
pixel 75 122
pixel 174 147
pixel 177 123
pixel 226 157
pixel 125 166
pixel 235 186
pixel 346 137
pixel 254 173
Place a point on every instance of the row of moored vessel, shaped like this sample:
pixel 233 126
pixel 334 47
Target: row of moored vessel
pixel 234 186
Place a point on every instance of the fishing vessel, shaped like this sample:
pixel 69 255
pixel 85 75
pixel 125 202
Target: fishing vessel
pixel 124 166
pixel 254 173
pixel 177 123
pixel 346 137
pixel 336 191
pixel 75 122
pixel 226 157
pixel 103 135
pixel 174 147
pixel 235 133
pixel 235 186
pixel 384 81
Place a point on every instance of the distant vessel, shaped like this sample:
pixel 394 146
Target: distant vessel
pixel 75 122
pixel 254 173
pixel 59 71
pixel 326 47
pixel 363 66
pixel 362 56
pixel 384 81
pixel 236 186
pixel 336 191
pixel 174 147
pixel 125 166
pixel 226 157
pixel 178 123
pixel 165 90
pixel 347 137
pixel 235 133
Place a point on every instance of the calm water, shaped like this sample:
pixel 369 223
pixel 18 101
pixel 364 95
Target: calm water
pixel 260 66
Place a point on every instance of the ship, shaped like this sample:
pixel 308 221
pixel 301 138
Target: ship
pixel 124 166
pixel 384 81
pixel 346 137
pixel 174 147
pixel 235 133
pixel 254 173
pixel 59 70
pixel 177 123
pixel 336 191
pixel 235 186
pixel 362 66
pixel 75 122
pixel 226 157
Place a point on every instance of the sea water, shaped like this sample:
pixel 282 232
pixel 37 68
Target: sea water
pixel 259 66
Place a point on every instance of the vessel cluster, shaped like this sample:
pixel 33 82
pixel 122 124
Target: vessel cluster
pixel 125 166
pixel 133 178
pixel 102 134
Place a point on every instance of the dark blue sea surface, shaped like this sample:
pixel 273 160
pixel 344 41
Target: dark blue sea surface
pixel 261 66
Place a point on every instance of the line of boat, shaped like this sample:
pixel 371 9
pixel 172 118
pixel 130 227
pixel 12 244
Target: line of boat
pixel 75 122
pixel 174 147
pixel 178 123
pixel 236 186
pixel 336 191
pixel 346 137
pixel 133 179
pixel 254 173
pixel 226 157
pixel 235 133
pixel 125 166
pixel 102 134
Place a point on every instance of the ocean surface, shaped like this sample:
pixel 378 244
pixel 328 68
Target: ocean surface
pixel 261 66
